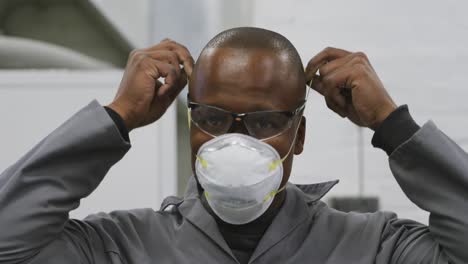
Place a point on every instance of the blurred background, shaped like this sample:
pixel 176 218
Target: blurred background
pixel 58 55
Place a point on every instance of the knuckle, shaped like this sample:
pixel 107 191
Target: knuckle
pixel 140 57
pixel 134 51
pixel 360 68
pixel 327 80
pixel 191 59
pixel 328 49
pixel 182 46
pixel 171 57
pixel 144 63
pixel 323 70
pixel 356 61
pixel 361 55
pixel 134 54
pixel 172 69
pixel 174 58
pixel 173 43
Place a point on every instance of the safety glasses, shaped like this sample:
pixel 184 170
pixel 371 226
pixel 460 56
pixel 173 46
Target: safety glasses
pixel 262 125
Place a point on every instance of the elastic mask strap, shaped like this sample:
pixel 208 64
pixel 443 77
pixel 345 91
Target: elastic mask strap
pixel 202 161
pixel 273 193
pixel 273 165
pixel 189 117
pixel 276 163
pixel 316 74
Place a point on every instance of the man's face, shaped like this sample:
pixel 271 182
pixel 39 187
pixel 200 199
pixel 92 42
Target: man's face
pixel 243 81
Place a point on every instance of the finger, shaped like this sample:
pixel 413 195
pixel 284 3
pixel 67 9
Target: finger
pixel 333 65
pixel 183 54
pixel 165 56
pixel 323 57
pixel 175 91
pixel 331 104
pixel 169 73
pixel 360 61
pixel 321 87
pixel 316 84
pixel 332 93
pixel 339 86
pixel 159 101
pixel 339 101
pixel 163 99
pixel 171 58
pixel 183 80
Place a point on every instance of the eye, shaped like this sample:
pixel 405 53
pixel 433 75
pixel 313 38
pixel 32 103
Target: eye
pixel 265 123
pixel 214 120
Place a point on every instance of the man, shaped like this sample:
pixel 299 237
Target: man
pixel 247 91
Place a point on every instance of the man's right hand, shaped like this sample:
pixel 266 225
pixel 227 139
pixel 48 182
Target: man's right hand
pixel 141 98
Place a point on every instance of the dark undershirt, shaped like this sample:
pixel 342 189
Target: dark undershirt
pixel 243 239
pixel 397 128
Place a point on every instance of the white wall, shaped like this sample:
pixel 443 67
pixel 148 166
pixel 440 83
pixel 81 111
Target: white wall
pixel 33 103
pixel 132 18
pixel 419 50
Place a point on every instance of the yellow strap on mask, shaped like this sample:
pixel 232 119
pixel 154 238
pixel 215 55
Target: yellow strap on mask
pixel 274 164
pixel 273 193
pixel 202 162
pixel 189 117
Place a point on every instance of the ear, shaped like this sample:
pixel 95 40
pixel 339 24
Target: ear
pixel 301 131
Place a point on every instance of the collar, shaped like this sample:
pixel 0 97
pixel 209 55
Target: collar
pixel 295 210
pixel 311 192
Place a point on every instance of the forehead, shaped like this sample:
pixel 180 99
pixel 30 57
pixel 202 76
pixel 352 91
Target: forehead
pixel 242 80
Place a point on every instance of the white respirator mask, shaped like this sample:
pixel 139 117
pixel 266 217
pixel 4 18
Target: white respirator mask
pixel 240 176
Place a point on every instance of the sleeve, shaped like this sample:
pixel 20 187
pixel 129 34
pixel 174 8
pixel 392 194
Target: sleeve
pixel 432 170
pixel 38 191
pixel 397 128
pixel 118 122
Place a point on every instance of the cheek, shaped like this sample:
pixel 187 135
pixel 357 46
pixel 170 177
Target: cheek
pixel 287 167
pixel 282 144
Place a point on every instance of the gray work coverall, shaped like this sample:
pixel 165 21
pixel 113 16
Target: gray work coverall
pixel 38 191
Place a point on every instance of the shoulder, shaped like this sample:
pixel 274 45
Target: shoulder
pixel 125 223
pixel 123 228
pixel 351 221
pixel 129 218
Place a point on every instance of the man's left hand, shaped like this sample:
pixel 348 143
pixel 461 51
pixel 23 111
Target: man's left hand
pixel 350 86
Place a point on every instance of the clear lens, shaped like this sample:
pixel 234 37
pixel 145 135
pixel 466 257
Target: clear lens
pixel 211 120
pixel 263 125
pixel 260 125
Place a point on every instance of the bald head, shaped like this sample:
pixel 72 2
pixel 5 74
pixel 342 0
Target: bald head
pixel 252 58
pixel 251 39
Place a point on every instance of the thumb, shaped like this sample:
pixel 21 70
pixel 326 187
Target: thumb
pixel 316 84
